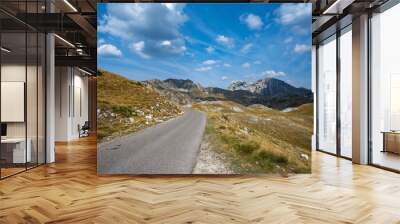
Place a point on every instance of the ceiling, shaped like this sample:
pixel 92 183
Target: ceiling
pixel 330 15
pixel 73 21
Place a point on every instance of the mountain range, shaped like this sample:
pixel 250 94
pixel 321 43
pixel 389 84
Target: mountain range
pixel 270 92
pixel 269 87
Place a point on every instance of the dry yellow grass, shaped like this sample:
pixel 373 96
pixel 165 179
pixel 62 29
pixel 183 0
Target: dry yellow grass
pixel 126 106
pixel 259 139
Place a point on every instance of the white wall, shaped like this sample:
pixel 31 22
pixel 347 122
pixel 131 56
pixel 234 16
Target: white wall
pixel 70 83
pixel 14 72
pixel 13 101
pixel 62 81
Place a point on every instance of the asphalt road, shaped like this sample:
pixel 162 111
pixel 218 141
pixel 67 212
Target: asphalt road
pixel 170 147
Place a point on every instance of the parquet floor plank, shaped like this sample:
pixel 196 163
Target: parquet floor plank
pixel 69 191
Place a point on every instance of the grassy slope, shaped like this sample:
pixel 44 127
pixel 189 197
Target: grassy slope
pixel 124 104
pixel 259 139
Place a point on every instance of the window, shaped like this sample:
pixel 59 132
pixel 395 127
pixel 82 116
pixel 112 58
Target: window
pixel 22 77
pixel 346 92
pixel 385 89
pixel 327 95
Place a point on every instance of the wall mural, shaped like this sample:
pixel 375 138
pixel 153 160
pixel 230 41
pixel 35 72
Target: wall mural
pixel 204 88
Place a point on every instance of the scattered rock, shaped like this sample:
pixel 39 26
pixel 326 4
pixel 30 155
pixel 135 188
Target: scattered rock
pixel 259 106
pixel 253 119
pixel 289 109
pixel 237 109
pixel 216 109
pixel 210 162
pixel 304 156
pixel 245 131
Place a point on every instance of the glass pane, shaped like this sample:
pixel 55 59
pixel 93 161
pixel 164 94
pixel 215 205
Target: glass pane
pixel 31 88
pixel 13 86
pixel 385 93
pixel 346 93
pixel 22 89
pixel 41 98
pixel 31 98
pixel 327 97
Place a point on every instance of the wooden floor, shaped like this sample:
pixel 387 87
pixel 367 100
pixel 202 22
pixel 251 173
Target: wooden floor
pixel 387 159
pixel 69 191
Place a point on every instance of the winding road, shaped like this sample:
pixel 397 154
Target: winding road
pixel 170 147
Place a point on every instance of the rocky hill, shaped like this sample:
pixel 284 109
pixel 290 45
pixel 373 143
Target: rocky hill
pixel 125 106
pixel 179 91
pixel 238 85
pixel 182 84
pixel 270 87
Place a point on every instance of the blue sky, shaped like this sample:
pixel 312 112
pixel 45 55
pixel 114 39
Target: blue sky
pixel 212 44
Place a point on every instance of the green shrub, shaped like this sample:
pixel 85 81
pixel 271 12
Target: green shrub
pixel 246 148
pixel 229 139
pixel 102 133
pixel 266 156
pixel 123 111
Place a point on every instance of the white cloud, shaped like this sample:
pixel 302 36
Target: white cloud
pixel 209 62
pixel 169 47
pixel 301 30
pixel 109 50
pixel 128 20
pixel 246 65
pixel 136 22
pixel 257 62
pixel 100 41
pixel 253 22
pixel 170 6
pixel 273 74
pixel 210 49
pixel 301 48
pixel 166 43
pixel 227 65
pixel 293 13
pixel 225 40
pixel 246 48
pixel 288 40
pixel 203 69
pixel 138 48
pixel 224 77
